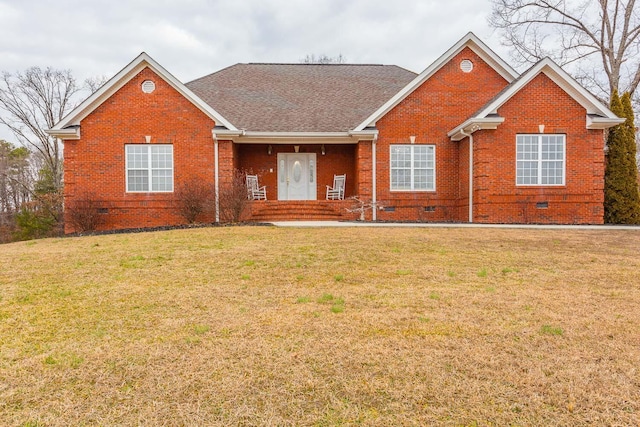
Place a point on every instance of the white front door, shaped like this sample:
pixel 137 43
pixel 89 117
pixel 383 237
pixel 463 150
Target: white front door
pixel 296 176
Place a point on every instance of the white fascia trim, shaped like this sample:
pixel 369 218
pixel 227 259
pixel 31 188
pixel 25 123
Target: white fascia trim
pixel 227 134
pixel 254 137
pixel 471 41
pixel 123 77
pixel 559 77
pixel 70 133
pixel 602 122
pixel 365 135
pixel 473 124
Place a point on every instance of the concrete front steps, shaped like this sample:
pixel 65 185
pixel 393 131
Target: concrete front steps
pixel 304 210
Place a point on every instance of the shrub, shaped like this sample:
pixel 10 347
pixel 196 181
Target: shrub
pixel 194 198
pixel 7 232
pixel 233 198
pixel 84 213
pixel 40 218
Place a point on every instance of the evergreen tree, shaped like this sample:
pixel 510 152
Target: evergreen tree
pixel 621 197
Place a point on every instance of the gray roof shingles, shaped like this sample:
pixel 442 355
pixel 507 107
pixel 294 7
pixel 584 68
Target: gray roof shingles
pixel 300 97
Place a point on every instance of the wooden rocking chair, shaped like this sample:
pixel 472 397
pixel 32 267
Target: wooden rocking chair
pixel 337 191
pixel 254 191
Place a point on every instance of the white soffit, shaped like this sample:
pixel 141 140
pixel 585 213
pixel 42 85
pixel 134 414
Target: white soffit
pixel 114 84
pixel 472 42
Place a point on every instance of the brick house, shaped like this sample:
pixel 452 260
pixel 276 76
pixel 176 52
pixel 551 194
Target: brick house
pixel 466 140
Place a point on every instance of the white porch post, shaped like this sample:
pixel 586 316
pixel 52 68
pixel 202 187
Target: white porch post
pixel 470 136
pixel 216 174
pixel 470 178
pixel 374 197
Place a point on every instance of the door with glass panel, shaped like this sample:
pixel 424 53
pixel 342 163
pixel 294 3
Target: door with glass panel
pixel 296 176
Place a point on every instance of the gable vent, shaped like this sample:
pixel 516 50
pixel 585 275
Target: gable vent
pixel 148 86
pixel 466 66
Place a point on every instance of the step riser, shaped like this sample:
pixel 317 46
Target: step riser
pixel 279 211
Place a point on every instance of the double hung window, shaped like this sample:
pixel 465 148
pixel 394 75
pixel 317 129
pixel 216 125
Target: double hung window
pixel 540 159
pixel 149 168
pixel 413 168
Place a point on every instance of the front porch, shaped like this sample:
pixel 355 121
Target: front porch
pixel 296 170
pixel 293 172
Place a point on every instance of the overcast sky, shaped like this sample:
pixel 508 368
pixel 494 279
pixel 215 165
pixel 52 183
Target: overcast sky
pixel 192 38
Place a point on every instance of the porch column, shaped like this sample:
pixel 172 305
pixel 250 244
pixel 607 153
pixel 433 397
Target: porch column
pixel 374 196
pixel 216 175
pixel 365 172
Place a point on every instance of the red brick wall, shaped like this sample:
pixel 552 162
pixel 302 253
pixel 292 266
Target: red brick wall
pixel 228 161
pixel 339 159
pixel 96 163
pixel 499 200
pixel 364 189
pixel 440 104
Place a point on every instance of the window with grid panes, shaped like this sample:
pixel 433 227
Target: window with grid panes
pixel 413 168
pixel 149 168
pixel 540 159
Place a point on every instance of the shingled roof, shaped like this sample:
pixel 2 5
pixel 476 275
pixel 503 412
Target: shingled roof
pixel 300 97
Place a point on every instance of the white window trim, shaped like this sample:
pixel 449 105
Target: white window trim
pixel 420 190
pixel 564 160
pixel 149 168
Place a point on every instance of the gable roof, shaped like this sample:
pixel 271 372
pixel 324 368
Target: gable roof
pixel 68 127
pixel 471 41
pixel 598 115
pixel 300 97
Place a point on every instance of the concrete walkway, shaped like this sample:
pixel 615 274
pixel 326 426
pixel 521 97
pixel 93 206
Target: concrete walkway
pixel 317 224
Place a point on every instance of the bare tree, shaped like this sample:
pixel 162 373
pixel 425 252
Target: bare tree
pixel 33 101
pixel 324 59
pixel 361 206
pixel 92 84
pixel 600 38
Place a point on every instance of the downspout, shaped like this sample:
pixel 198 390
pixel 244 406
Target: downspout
pixel 216 174
pixel 470 136
pixel 374 198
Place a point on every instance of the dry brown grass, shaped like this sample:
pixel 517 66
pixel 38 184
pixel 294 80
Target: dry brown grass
pixel 266 326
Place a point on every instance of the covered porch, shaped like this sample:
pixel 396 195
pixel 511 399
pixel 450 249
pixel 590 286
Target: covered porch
pixel 296 169
pixel 299 172
pixel 296 177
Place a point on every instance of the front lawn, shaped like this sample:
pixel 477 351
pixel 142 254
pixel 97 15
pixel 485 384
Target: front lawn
pixel 349 326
